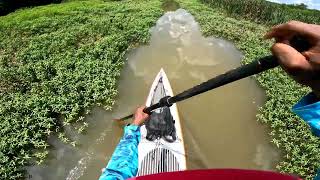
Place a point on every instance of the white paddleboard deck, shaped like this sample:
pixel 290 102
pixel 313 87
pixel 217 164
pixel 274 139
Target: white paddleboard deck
pixel 159 155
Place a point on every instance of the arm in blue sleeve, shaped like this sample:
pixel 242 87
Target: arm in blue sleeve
pixel 124 161
pixel 308 108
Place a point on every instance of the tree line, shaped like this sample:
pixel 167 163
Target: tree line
pixel 7 6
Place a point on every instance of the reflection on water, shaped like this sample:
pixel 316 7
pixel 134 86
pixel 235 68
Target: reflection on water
pixel 219 126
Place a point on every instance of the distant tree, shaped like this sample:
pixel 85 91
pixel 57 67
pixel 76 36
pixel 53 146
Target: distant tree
pixel 296 6
pixel 301 6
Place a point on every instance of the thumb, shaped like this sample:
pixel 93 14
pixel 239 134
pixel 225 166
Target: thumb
pixel 289 58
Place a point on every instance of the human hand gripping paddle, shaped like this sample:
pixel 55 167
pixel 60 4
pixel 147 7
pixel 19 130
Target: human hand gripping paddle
pixel 302 65
pixel 295 50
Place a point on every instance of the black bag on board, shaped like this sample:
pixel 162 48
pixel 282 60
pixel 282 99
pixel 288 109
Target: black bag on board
pixel 161 125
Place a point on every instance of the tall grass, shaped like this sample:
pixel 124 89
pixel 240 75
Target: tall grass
pixel 56 62
pixel 265 12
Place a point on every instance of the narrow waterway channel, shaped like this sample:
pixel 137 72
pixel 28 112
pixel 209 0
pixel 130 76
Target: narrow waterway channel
pixel 220 127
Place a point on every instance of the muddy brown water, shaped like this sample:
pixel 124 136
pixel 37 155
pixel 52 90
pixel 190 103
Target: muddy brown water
pixel 220 127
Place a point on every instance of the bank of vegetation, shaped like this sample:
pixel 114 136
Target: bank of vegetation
pixel 263 11
pixel 56 61
pixel 300 148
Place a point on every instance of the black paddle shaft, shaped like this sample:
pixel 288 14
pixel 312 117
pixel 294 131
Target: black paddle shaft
pixel 255 67
pixel 241 72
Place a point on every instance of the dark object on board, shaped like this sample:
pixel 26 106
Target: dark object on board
pixel 161 125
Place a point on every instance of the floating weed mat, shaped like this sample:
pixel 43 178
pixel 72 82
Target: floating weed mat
pixel 301 149
pixel 56 62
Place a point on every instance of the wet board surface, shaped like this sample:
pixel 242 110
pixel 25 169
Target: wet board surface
pixel 159 155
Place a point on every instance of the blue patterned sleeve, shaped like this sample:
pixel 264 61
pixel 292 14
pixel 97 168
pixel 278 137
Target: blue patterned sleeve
pixel 124 161
pixel 308 108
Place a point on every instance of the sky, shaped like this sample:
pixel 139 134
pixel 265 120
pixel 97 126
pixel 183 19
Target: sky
pixel 312 4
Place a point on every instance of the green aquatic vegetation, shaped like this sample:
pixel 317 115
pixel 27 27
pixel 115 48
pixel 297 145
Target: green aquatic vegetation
pixel 300 148
pixel 56 62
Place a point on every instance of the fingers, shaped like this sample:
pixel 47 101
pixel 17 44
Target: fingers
pixel 140 116
pixel 292 28
pixel 285 29
pixel 140 109
pixel 140 112
pixel 313 54
pixel 313 57
pixel 303 67
pixel 290 59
